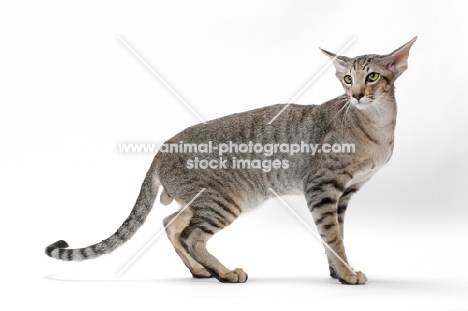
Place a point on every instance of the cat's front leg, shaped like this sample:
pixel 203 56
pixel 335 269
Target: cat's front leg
pixel 323 196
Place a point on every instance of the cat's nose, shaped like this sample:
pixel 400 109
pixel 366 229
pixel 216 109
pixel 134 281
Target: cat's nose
pixel 358 96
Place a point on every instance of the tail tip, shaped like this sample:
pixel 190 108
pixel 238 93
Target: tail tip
pixel 59 244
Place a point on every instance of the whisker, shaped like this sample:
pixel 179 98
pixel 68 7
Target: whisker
pixel 340 102
pixel 378 99
pixel 346 112
pixel 378 112
pixel 336 114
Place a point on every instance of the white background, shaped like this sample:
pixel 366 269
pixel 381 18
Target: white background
pixel 70 91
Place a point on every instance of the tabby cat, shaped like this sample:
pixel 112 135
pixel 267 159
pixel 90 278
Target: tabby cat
pixel 241 179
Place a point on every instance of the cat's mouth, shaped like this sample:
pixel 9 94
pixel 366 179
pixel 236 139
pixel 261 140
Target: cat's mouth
pixel 362 103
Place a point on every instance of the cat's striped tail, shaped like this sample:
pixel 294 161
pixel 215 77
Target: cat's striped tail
pixel 143 205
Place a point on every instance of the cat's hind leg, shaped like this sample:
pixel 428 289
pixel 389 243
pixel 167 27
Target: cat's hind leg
pixel 173 232
pixel 206 220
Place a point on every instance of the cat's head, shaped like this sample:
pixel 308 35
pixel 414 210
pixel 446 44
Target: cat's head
pixel 369 78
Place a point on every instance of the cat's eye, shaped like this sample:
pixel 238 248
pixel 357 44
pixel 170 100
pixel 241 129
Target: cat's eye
pixel 347 79
pixel 372 77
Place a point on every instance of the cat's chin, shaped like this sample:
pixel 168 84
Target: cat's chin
pixel 361 104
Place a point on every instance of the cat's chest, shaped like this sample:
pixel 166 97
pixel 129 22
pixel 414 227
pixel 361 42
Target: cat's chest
pixel 370 161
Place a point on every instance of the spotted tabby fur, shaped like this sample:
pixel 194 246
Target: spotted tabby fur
pixel 365 116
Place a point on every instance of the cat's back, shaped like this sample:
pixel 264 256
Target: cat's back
pixel 254 125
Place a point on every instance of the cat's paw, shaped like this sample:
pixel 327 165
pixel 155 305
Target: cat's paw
pixel 353 279
pixel 236 276
pixel 201 274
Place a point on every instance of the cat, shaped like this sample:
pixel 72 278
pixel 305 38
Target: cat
pixel 363 117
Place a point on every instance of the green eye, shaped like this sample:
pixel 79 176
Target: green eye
pixel 372 77
pixel 347 79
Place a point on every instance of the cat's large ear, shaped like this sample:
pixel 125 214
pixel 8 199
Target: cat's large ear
pixel 397 61
pixel 340 62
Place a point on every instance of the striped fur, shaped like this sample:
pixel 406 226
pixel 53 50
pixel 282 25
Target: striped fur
pixel 135 220
pixel 364 116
